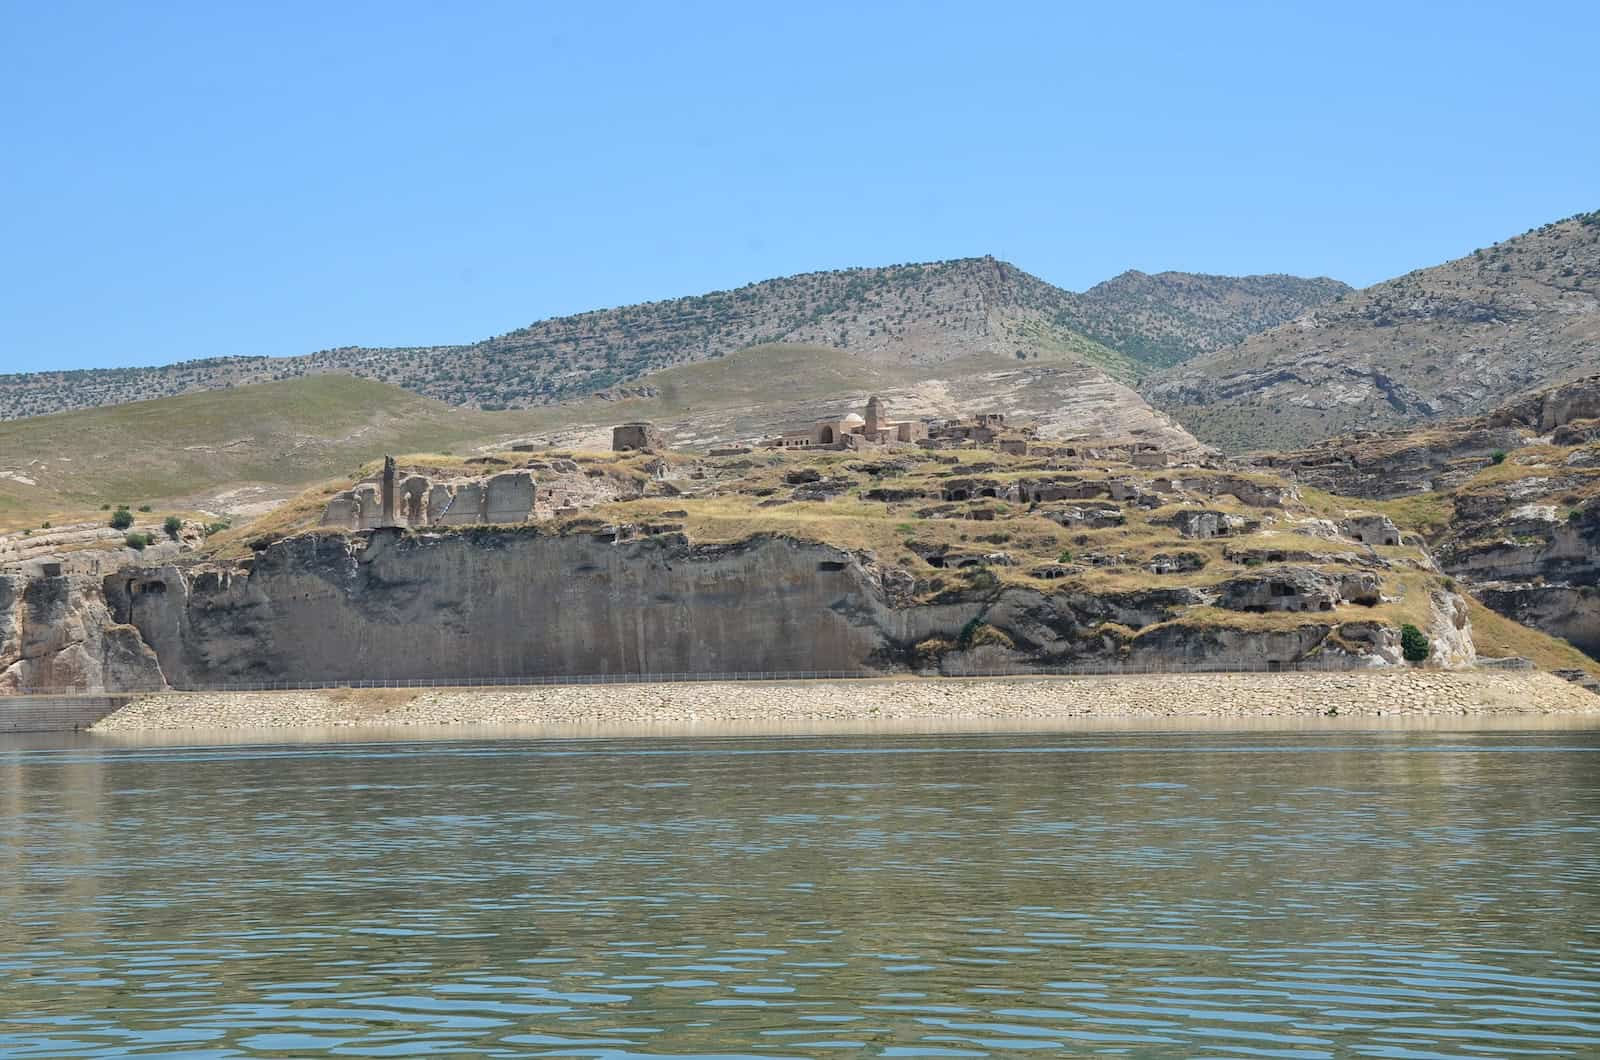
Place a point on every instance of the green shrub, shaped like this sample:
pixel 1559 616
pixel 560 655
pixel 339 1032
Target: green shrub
pixel 144 508
pixel 45 525
pixel 1065 557
pixel 173 526
pixel 138 542
pixel 1497 457
pixel 217 528
pixel 1414 643
pixel 121 519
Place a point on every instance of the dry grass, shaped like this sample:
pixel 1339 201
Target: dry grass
pixel 1498 637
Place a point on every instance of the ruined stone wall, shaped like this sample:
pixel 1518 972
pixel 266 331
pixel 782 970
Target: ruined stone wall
pixel 627 437
pixel 504 499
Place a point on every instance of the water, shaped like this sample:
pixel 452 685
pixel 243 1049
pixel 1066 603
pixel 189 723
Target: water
pixel 1136 894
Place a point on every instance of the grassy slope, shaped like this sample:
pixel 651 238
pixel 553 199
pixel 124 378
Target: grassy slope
pixel 302 431
pixel 286 433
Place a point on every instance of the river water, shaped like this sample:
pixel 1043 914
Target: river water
pixel 1278 894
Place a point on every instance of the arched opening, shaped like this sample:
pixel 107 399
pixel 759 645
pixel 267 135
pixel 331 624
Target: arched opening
pixel 826 436
pixel 988 491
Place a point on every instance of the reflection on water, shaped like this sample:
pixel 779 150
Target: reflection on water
pixel 1255 894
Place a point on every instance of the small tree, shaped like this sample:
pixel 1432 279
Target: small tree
pixel 1497 457
pixel 1414 644
pixel 173 526
pixel 121 519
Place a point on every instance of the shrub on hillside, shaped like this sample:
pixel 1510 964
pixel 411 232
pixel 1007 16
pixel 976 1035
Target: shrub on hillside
pixel 1497 457
pixel 121 519
pixel 1414 644
pixel 173 526
pixel 137 542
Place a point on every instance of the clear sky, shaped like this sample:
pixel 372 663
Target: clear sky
pixel 189 180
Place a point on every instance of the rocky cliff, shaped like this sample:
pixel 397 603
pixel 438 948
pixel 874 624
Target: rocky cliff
pixel 57 632
pixel 481 603
pixel 1454 340
pixel 1509 501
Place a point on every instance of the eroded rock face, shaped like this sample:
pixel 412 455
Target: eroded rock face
pixel 1400 463
pixel 499 603
pixel 1299 589
pixel 56 632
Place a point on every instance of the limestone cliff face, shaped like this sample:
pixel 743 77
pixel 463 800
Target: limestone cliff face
pixel 56 632
pixel 499 603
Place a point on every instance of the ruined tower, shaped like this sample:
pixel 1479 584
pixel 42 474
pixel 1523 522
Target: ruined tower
pixel 388 518
pixel 875 416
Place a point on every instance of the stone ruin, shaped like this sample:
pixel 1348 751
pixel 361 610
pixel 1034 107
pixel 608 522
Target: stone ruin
pixel 852 431
pixel 415 500
pixel 636 437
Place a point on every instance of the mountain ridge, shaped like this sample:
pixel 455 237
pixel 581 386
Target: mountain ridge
pixel 1455 339
pixel 913 315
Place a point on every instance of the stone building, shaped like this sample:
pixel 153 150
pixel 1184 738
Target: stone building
pixel 853 431
pixel 634 437
pixel 983 429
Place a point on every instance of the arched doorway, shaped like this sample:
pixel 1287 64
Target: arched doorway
pixel 826 436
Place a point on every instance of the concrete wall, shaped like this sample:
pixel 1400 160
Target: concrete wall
pixel 55 713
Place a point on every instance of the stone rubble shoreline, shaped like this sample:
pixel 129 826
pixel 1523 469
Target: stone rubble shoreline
pixel 1371 693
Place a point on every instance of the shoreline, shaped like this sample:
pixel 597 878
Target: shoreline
pixel 790 706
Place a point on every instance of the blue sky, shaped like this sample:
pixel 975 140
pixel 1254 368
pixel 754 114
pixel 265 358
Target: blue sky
pixel 197 180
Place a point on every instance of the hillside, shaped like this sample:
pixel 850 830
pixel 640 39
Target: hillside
pixel 1169 317
pixel 280 434
pixel 904 316
pixel 230 452
pixel 1449 341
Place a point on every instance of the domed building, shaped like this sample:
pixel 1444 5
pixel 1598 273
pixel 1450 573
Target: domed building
pixel 852 431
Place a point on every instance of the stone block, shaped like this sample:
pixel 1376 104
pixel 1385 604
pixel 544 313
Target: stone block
pixel 509 497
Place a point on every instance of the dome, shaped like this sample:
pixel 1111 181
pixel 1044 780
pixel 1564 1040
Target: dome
pixel 852 419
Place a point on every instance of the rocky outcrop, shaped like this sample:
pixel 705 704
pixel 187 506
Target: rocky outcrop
pixel 1399 463
pixel 1299 589
pixel 1200 523
pixel 56 632
pixel 1455 340
pixel 391 605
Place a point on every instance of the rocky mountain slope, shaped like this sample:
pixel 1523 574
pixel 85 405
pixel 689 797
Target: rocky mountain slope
pixel 904 316
pixel 1508 501
pixel 1169 317
pixel 1449 341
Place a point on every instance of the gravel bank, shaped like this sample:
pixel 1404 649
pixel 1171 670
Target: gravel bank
pixel 1369 693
